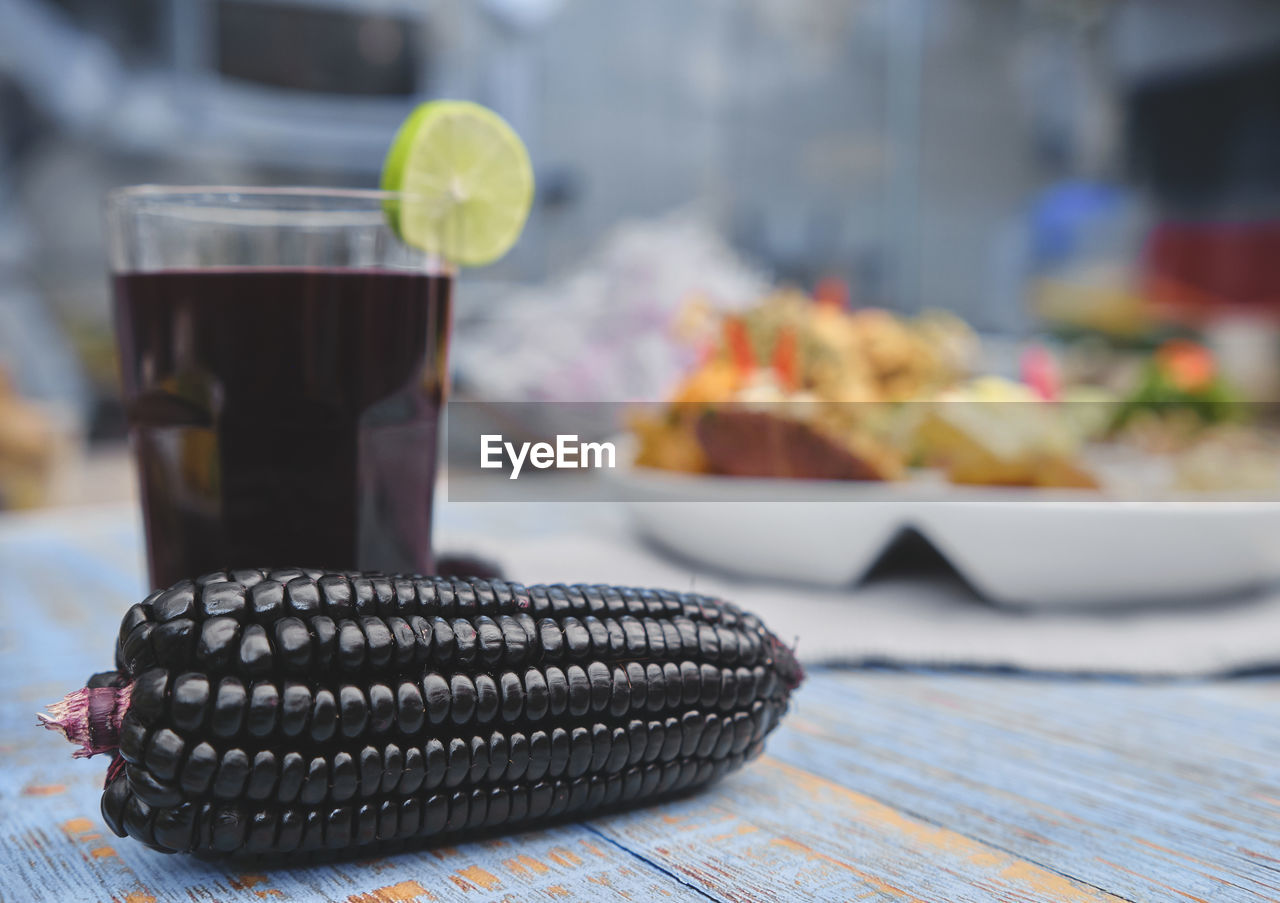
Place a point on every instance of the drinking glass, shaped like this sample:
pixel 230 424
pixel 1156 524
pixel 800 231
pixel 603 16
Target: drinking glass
pixel 283 359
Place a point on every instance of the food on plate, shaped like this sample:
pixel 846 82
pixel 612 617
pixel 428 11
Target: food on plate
pixel 795 387
pixel 1181 380
pixel 815 442
pixel 803 388
pixel 995 432
pixel 1182 416
pixel 295 710
pixel 1229 458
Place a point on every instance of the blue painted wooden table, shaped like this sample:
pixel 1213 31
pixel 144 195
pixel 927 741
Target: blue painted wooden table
pixel 879 786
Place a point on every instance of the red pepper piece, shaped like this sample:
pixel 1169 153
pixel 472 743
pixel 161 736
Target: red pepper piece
pixel 786 360
pixel 739 344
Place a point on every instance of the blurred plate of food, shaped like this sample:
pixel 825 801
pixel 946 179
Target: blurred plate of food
pixel 1038 490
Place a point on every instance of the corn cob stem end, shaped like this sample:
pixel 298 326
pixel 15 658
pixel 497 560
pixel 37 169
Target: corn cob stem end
pixel 89 717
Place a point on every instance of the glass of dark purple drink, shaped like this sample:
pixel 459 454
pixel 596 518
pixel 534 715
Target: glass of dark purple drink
pixel 283 357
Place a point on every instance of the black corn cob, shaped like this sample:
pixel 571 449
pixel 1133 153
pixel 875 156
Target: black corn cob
pixel 274 711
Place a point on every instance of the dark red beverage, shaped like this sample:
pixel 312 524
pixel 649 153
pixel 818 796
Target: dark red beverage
pixel 284 416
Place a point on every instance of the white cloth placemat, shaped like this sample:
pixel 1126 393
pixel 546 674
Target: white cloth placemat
pixel 900 620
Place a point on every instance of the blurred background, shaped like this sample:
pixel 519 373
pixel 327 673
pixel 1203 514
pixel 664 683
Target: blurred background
pixel 1107 172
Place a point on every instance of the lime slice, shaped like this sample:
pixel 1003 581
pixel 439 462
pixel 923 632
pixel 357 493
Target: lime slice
pixel 466 182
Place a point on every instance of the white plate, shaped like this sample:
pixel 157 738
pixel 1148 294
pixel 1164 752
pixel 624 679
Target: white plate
pixel 1015 546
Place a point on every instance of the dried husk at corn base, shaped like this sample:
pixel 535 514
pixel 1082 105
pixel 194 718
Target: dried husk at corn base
pixel 274 711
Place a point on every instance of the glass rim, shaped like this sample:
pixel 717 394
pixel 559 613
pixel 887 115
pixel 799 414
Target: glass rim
pixel 233 193
pixel 285 209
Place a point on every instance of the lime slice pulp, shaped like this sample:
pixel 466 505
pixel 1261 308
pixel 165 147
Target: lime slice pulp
pixel 465 180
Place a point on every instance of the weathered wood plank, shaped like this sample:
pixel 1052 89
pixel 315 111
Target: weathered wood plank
pixel 1135 788
pixel 778 832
